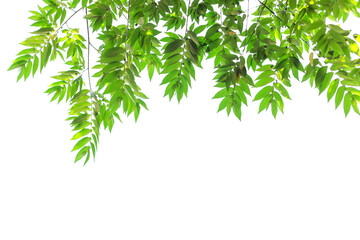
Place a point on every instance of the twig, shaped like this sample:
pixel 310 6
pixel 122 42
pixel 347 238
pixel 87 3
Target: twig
pixel 187 17
pixel 88 70
pixel 257 21
pixel 127 30
pixel 93 47
pixel 264 4
pixel 68 19
pixel 247 23
pixel 88 56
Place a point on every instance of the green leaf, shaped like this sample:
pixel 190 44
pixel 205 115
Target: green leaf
pixel 81 143
pixel 339 96
pixel 292 4
pixel 264 82
pixel 224 103
pixel 171 47
pixel 347 103
pixel 282 90
pixel 265 74
pixel 35 65
pixel 222 93
pixel 355 106
pixel 320 75
pixel 325 82
pixel 332 89
pixel 318 23
pixel 82 153
pixel 43 31
pixel 28 70
pixel 279 101
pixel 263 92
pixel 265 103
pixel 237 111
pixel 274 108
pixel 82 133
pixel 194 37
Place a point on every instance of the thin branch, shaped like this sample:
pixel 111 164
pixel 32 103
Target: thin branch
pixel 88 56
pixel 257 22
pixel 187 18
pixel 127 30
pixel 88 70
pixel 221 13
pixel 93 47
pixel 247 23
pixel 68 19
pixel 264 4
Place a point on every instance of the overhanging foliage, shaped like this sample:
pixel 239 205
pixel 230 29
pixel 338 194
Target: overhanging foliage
pixel 272 43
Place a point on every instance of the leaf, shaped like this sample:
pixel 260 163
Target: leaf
pixel 237 111
pixel 170 76
pixel 347 103
pixel 194 37
pixel 318 23
pixel 43 31
pixel 325 82
pixel 282 90
pixel 222 93
pixel 279 101
pixel 82 153
pixel 292 4
pixel 264 103
pixel 81 143
pixel 224 103
pixel 339 96
pixel 265 74
pixel 35 65
pixel 355 106
pixel 263 92
pixel 332 89
pixel 311 57
pixel 274 108
pixel 82 133
pixel 320 75
pixel 171 47
pixel 264 81
pixel 28 70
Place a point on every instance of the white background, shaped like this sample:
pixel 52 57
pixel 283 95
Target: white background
pixel 181 172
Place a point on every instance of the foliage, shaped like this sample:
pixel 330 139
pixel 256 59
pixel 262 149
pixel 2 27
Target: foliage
pixel 272 43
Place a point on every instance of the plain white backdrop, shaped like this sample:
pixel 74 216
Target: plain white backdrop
pixel 182 171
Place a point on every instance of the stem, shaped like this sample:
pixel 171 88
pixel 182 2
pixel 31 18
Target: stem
pixel 264 6
pixel 247 22
pixel 88 56
pixel 93 47
pixel 68 19
pixel 88 69
pixel 187 17
pixel 257 22
pixel 127 30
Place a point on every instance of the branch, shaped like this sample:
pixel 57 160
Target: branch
pixel 187 18
pixel 68 19
pixel 88 57
pixel 93 46
pixel 127 30
pixel 257 21
pixel 270 10
pixel 264 4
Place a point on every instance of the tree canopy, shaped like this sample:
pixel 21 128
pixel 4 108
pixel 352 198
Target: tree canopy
pixel 262 48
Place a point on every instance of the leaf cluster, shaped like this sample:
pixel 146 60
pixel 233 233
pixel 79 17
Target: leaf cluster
pixel 261 49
